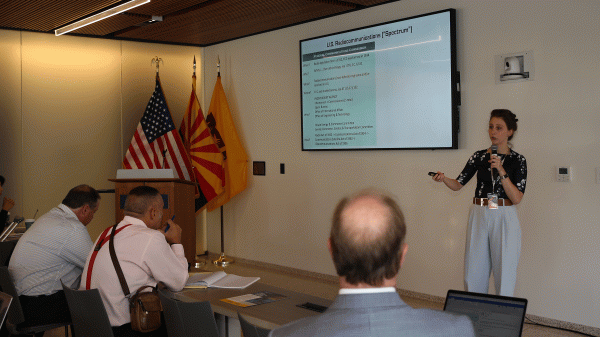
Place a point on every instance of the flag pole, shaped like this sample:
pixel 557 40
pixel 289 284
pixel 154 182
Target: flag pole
pixel 222 261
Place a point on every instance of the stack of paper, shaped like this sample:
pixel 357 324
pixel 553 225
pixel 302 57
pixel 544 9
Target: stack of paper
pixel 220 279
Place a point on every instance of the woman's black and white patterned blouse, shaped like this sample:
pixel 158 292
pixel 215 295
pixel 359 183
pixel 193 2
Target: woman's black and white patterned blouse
pixel 514 164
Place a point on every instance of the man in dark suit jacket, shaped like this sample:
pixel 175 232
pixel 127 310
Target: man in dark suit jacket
pixel 367 247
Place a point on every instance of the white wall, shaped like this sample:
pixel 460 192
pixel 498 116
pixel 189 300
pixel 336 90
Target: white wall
pixel 69 107
pixel 284 219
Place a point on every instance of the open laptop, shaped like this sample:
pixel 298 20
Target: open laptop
pixel 492 315
pixel 5 300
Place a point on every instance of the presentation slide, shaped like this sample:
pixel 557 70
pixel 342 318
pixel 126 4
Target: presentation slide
pixel 382 87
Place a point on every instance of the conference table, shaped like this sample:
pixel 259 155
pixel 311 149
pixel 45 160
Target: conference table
pixel 266 315
pixel 298 288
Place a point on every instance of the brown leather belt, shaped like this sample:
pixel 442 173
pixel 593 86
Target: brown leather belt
pixel 484 202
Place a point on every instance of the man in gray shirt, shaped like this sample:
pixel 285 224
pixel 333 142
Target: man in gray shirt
pixel 54 248
pixel 367 246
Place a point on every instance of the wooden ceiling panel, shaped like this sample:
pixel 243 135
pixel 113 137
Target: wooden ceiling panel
pixel 230 19
pixel 166 7
pixel 46 15
pixel 193 22
pixel 368 3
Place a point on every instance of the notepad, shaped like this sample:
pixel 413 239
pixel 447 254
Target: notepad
pixel 220 279
pixel 249 300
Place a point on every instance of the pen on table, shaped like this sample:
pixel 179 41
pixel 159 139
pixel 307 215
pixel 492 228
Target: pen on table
pixel 168 225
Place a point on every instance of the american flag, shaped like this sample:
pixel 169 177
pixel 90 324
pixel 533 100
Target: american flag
pixel 156 143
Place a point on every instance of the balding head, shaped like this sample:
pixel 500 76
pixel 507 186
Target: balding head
pixel 366 238
pixel 81 195
pixel 84 201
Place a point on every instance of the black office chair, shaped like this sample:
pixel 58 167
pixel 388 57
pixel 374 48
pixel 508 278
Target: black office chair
pixel 6 250
pixel 5 300
pixel 187 319
pixel 250 330
pixel 15 320
pixel 87 313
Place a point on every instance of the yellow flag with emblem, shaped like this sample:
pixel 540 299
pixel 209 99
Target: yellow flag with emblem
pixel 235 160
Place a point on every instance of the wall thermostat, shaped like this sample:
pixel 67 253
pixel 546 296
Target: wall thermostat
pixel 564 173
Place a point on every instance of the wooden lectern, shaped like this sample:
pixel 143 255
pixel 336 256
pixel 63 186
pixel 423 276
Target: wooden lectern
pixel 178 196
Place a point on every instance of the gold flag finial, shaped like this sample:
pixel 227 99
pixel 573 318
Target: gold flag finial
pixel 157 60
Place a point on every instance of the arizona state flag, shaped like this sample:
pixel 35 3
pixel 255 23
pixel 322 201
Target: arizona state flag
pixel 206 159
pixel 235 159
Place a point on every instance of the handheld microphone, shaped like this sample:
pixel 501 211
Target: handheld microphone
pixel 494 149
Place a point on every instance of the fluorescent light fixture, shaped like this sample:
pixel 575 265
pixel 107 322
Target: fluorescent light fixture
pixel 100 16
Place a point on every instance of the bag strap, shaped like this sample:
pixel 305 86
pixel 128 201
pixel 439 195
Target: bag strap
pixel 101 241
pixel 154 289
pixel 113 256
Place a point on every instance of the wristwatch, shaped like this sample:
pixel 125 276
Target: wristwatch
pixel 504 177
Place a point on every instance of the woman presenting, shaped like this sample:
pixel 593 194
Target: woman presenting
pixel 493 233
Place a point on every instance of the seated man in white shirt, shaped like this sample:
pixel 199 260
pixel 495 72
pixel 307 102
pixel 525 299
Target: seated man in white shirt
pixel 367 247
pixel 147 254
pixel 54 248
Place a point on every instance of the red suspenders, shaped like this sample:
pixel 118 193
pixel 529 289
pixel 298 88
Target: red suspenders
pixel 101 241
